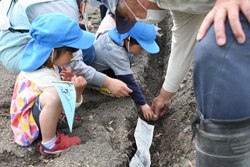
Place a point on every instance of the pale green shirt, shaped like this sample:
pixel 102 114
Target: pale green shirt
pixel 188 6
pixel 24 12
pixel 187 17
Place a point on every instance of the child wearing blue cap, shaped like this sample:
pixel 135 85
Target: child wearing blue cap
pixel 36 105
pixel 112 50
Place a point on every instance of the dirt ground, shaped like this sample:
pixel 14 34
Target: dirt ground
pixel 107 124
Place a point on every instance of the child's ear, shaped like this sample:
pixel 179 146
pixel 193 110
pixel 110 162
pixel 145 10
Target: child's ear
pixel 126 42
pixel 127 38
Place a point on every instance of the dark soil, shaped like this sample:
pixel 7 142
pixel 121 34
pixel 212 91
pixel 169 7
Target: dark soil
pixel 108 123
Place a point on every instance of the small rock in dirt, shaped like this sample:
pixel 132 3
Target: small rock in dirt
pixel 110 129
pixel 187 128
pixel 41 157
pixel 30 149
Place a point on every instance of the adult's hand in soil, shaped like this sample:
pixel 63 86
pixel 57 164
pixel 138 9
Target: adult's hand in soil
pixel 80 83
pixel 161 102
pixel 66 74
pixel 218 15
pixel 117 87
pixel 147 112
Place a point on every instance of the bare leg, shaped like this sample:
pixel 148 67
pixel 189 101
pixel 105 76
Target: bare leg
pixel 52 108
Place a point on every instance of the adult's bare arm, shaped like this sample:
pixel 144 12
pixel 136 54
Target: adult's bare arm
pixel 218 15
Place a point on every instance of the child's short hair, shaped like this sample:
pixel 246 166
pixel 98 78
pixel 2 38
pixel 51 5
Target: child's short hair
pixel 133 41
pixel 59 52
pixel 64 49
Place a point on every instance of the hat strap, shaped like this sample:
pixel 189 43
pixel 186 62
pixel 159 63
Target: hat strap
pixel 52 55
pixel 128 43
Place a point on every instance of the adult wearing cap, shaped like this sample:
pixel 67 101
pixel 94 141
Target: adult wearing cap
pixel 221 78
pixel 13 43
pixel 187 18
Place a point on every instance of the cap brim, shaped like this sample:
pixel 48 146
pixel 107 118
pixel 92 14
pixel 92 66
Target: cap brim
pixel 150 48
pixel 117 37
pixel 86 41
pixel 34 56
pixel 123 24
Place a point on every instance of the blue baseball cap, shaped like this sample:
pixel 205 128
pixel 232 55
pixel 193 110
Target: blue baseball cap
pixel 50 31
pixel 123 24
pixel 143 33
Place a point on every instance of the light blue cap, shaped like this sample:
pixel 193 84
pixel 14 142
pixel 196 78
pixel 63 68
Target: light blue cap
pixel 143 33
pixel 50 31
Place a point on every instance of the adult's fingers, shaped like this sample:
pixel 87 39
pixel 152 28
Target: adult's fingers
pixel 155 108
pixel 245 8
pixel 219 26
pixel 205 25
pixel 233 17
pixel 162 111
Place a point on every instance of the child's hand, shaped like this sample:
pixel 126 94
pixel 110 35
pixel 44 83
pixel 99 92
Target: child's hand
pixel 80 84
pixel 117 87
pixel 67 75
pixel 147 112
pixel 90 27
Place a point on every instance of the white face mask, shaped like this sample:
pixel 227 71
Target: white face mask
pixel 153 16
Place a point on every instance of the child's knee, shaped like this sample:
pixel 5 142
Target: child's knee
pixel 50 97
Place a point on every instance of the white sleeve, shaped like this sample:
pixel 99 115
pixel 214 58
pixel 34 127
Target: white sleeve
pixel 43 77
pixel 184 34
pixel 78 104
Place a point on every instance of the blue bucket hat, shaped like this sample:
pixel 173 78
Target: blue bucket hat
pixel 50 31
pixel 143 33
